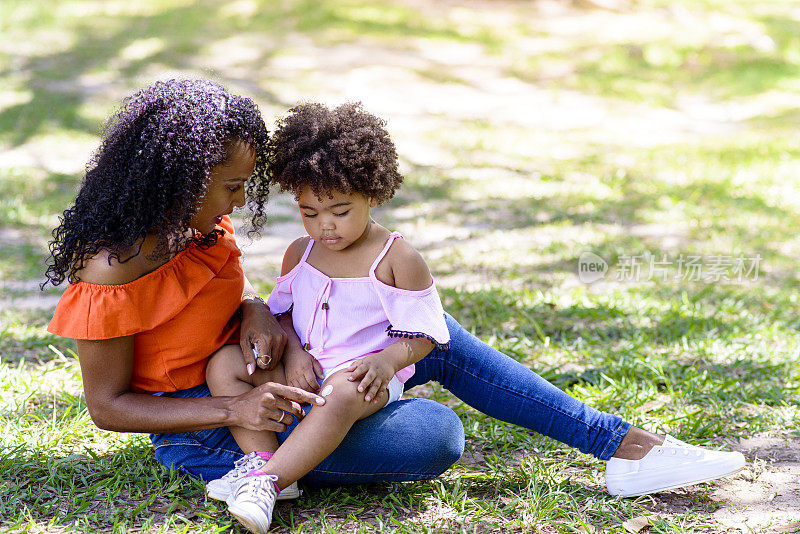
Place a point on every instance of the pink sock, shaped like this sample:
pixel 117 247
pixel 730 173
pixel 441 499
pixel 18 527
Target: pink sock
pixel 265 455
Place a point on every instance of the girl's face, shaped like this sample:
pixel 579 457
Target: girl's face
pixel 336 222
pixel 225 189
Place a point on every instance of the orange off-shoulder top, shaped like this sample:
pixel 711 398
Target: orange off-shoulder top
pixel 179 314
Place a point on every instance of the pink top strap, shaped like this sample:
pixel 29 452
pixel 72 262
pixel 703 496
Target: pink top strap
pixel 389 242
pixel 308 249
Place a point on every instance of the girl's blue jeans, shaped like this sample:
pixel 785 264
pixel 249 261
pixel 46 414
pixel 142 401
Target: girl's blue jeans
pixel 418 439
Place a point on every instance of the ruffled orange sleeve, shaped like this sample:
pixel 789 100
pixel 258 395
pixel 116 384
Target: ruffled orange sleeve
pixel 179 314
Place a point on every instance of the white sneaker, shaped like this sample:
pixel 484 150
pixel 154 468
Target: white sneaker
pixel 222 488
pixel 673 464
pixel 253 502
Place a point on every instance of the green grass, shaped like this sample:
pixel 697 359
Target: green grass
pixel 675 135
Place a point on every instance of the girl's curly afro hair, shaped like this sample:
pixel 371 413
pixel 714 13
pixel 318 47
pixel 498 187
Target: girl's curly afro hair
pixel 152 169
pixel 345 149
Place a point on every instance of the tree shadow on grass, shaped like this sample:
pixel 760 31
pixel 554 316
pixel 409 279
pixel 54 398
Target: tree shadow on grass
pixel 60 90
pixel 54 79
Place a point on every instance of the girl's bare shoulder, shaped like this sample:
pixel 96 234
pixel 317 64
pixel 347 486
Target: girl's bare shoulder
pixel 294 253
pixel 408 267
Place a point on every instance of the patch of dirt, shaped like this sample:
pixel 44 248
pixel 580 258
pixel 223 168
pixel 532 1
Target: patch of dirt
pixel 765 496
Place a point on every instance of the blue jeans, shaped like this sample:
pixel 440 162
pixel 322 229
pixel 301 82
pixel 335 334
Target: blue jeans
pixel 418 439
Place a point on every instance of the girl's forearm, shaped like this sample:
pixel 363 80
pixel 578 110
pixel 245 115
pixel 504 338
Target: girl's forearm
pixel 405 351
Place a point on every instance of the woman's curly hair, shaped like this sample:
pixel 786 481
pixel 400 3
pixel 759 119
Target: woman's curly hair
pixel 345 149
pixel 151 170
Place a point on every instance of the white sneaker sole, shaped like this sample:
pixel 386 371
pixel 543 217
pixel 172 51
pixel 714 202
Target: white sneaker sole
pixel 288 493
pixel 243 516
pixel 218 495
pixel 655 483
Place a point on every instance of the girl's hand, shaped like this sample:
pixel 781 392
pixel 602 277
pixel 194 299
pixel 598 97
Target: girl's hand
pixel 302 369
pixel 271 406
pixel 376 370
pixel 261 330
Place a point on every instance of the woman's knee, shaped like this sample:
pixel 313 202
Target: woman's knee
pixel 450 437
pixel 436 438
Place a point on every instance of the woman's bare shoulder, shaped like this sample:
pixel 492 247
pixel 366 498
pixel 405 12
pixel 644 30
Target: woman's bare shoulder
pixel 107 269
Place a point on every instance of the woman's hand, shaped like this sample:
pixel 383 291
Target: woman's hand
pixel 301 369
pixel 261 330
pixel 377 371
pixel 106 367
pixel 266 407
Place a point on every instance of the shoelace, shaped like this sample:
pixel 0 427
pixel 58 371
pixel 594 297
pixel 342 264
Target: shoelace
pixel 244 465
pixel 686 452
pixel 258 489
pixel 670 441
pixel 685 448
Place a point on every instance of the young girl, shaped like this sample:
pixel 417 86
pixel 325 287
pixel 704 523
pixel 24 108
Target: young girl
pixel 360 308
pixel 360 299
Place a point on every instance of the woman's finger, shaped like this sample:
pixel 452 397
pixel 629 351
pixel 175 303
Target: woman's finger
pixel 296 394
pixel 277 344
pixel 249 357
pixel 263 358
pixel 272 426
pixel 291 408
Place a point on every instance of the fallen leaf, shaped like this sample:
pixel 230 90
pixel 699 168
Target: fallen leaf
pixel 636 524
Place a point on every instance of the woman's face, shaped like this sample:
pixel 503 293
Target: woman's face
pixel 225 189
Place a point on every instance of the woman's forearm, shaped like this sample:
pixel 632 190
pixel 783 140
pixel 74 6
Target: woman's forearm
pixel 142 412
pixel 106 368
